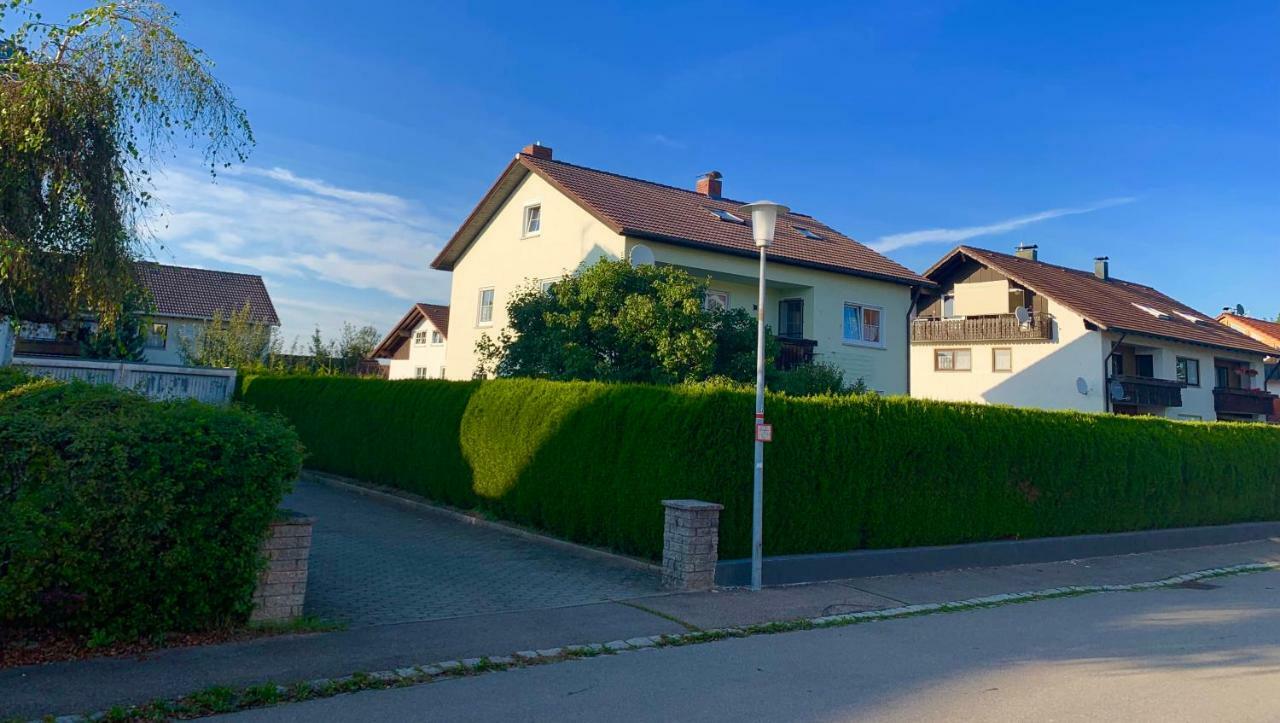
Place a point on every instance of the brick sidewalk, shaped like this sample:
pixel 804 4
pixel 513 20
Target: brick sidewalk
pixel 374 562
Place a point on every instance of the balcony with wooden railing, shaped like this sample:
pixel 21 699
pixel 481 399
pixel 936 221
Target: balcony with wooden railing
pixel 1243 401
pixel 994 327
pixel 794 352
pixel 1148 391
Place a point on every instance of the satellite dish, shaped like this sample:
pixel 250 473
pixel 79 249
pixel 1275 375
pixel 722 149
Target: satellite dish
pixel 1082 386
pixel 1117 391
pixel 1239 309
pixel 1022 315
pixel 641 255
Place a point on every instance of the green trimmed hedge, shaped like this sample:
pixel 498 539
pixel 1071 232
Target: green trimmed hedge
pixel 591 462
pixel 122 517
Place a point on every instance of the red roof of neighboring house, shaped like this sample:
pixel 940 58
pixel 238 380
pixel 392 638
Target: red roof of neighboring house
pixel 648 210
pixel 1267 332
pixel 437 314
pixel 1111 304
pixel 199 293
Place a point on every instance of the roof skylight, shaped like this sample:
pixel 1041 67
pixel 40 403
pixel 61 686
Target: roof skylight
pixel 725 215
pixel 1154 312
pixel 1190 317
pixel 807 233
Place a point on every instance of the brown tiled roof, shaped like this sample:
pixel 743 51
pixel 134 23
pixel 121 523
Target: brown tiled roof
pixel 437 314
pixel 1267 332
pixel 643 209
pixel 1109 304
pixel 198 293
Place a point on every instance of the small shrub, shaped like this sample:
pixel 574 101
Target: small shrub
pixel 808 380
pixel 121 517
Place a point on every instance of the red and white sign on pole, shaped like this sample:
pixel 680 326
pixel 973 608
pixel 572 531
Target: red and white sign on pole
pixel 764 432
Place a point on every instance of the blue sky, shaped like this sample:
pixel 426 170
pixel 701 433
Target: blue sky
pixel 1149 132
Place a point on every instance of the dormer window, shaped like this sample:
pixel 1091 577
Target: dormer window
pixel 725 215
pixel 807 233
pixel 532 220
pixel 1154 312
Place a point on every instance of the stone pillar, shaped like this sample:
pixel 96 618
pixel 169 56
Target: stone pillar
pixel 690 544
pixel 282 584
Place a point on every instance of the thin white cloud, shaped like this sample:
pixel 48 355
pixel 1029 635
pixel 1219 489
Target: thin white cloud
pixel 896 241
pixel 662 139
pixel 302 233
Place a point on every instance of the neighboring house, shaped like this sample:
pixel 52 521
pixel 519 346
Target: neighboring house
pixel 1267 332
pixel 829 298
pixel 416 346
pixel 1014 330
pixel 185 299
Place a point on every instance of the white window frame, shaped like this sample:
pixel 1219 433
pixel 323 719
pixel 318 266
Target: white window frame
pixel 421 373
pixel 529 208
pixel 420 337
pixel 435 334
pixel 151 334
pixel 862 325
pixel 493 300
pixel 715 294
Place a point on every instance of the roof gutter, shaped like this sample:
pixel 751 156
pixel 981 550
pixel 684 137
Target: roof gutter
pixel 745 253
pixel 1189 342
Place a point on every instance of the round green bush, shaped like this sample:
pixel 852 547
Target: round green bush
pixel 121 516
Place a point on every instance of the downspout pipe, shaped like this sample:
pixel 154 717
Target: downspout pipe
pixel 1106 371
pixel 911 317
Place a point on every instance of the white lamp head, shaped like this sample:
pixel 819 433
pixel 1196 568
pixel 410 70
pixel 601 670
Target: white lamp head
pixel 764 218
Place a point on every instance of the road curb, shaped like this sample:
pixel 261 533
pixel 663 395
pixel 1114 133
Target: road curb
pixel 257 696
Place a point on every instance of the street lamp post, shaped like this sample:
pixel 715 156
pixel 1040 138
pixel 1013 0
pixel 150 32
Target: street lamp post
pixel 764 218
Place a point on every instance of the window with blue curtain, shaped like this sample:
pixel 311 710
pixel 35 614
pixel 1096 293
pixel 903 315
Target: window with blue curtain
pixel 852 322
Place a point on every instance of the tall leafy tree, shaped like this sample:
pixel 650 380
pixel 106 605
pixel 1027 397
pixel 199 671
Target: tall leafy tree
pixel 355 343
pixel 230 340
pixel 615 322
pixel 126 339
pixel 90 106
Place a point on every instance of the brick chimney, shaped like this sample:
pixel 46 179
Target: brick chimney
pixel 537 150
pixel 1102 267
pixel 709 184
pixel 1027 251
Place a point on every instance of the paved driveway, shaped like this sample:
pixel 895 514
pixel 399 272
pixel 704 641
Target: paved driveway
pixel 375 562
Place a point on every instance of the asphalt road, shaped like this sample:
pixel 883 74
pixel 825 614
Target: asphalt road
pixel 1167 655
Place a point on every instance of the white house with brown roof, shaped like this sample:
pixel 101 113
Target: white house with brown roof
pixel 416 346
pixel 1267 332
pixel 829 298
pixel 185 300
pixel 1011 329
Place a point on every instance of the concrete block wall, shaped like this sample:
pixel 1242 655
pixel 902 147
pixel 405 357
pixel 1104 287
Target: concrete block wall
pixel 690 544
pixel 282 585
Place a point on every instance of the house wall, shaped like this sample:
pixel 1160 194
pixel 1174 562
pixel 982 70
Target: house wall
pixel 414 356
pixel 1044 373
pixel 500 258
pixel 977 298
pixel 883 368
pixel 171 353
